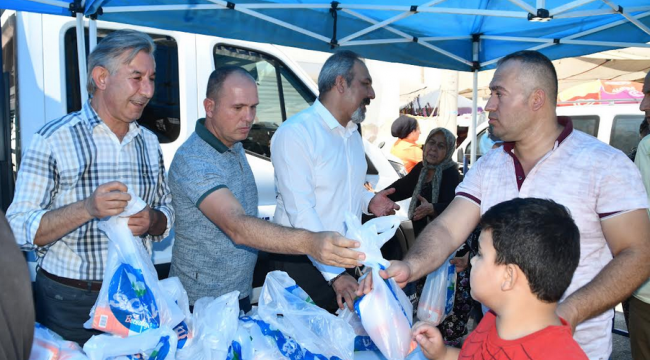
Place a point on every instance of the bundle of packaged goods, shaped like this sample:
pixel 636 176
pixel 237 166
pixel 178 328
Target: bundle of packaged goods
pixel 144 318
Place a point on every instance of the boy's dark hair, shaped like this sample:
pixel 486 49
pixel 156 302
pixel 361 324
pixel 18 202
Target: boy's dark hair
pixel 541 238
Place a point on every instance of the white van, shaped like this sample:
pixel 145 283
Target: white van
pixel 40 59
pixel 613 124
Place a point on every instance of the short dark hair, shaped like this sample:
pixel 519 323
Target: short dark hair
pixel 539 68
pixel 541 238
pixel 341 63
pixel 219 76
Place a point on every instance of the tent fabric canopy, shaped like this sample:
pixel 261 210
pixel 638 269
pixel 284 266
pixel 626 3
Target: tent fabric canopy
pixel 438 33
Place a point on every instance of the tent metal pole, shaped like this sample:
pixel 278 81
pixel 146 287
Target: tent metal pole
pixel 124 9
pixel 384 23
pixel 564 41
pixel 81 57
pixel 626 15
pixel 475 50
pixel 62 4
pixel 92 35
pixel 525 6
pixel 541 4
pixel 408 37
pixel 567 7
pixel 445 38
pixel 374 42
pixel 374 27
pixel 600 12
pixel 585 33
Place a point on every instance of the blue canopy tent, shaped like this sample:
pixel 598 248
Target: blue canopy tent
pixel 466 35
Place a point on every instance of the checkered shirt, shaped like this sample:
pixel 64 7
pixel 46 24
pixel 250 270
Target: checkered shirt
pixel 66 161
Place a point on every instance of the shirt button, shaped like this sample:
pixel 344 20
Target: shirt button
pixel 520 178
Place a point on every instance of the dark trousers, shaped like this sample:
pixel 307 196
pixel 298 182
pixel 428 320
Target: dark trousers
pixel 305 274
pixel 639 329
pixel 63 309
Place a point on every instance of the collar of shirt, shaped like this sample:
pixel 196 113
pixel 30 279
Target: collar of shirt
pixel 209 137
pixel 509 148
pixel 90 117
pixel 331 121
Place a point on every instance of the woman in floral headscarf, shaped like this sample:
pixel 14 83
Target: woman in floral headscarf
pixel 432 182
pixel 431 186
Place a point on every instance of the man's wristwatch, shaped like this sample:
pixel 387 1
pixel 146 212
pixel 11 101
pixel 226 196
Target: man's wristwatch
pixel 332 280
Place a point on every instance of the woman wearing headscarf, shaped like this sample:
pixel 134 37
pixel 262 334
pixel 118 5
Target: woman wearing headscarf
pixel 432 182
pixel 431 186
pixel 407 130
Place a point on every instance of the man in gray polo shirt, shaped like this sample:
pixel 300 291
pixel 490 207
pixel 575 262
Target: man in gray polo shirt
pixel 215 197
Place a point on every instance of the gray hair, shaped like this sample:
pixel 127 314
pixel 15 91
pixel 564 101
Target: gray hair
pixel 120 46
pixel 219 76
pixel 537 68
pixel 339 64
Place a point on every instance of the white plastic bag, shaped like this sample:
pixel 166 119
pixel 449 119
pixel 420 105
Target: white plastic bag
pixel 264 347
pixel 173 289
pixel 130 300
pixel 362 341
pixel 437 299
pixel 215 325
pixel 285 306
pixel 48 345
pixel 155 344
pixel 387 315
pixel 386 312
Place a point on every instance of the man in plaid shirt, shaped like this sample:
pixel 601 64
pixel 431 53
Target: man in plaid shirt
pixel 78 170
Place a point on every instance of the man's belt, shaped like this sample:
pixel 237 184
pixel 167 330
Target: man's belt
pixel 79 284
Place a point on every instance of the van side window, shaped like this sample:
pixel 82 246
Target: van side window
pixel 162 114
pixel 586 123
pixel 625 132
pixel 281 93
pixel 485 144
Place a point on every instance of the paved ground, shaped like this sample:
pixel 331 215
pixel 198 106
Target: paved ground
pixel 621 350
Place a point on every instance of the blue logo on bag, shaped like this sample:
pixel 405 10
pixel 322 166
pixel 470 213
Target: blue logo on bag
pixel 364 343
pixel 162 349
pixel 160 352
pixel 451 284
pixel 234 351
pixel 287 346
pixel 182 331
pixel 131 300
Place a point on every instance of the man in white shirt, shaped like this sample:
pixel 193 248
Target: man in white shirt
pixel 320 169
pixel 542 156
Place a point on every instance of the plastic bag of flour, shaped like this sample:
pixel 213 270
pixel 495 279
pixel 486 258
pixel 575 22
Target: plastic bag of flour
pixel 48 345
pixel 386 312
pixel 437 299
pixel 155 344
pixel 215 327
pixel 130 301
pixel 287 308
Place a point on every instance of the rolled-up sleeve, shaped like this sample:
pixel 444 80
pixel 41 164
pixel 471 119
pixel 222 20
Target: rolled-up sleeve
pixel 36 188
pixel 163 199
pixel 290 155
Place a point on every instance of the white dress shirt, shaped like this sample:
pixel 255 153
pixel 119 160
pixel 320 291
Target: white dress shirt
pixel 320 168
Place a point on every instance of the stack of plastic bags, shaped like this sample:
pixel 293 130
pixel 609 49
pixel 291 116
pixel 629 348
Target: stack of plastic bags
pixel 137 312
pixel 48 345
pixel 386 313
